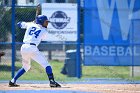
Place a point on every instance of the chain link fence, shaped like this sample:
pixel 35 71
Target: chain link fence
pixel 5 41
pixel 54 52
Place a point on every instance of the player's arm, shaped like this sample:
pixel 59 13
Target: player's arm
pixel 22 25
pixel 44 35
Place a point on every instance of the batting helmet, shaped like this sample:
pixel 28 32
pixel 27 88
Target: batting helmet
pixel 40 19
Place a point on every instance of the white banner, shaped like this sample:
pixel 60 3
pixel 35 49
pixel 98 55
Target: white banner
pixel 63 21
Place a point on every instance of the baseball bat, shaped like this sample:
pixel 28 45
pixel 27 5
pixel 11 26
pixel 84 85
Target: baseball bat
pixel 38 10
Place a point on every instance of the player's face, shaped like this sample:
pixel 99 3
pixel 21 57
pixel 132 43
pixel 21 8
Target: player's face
pixel 45 23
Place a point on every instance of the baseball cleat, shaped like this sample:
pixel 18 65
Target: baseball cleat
pixel 13 84
pixel 54 84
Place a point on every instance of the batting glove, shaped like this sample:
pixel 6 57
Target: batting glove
pixel 19 24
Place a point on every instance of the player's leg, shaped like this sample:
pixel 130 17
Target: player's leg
pixel 53 83
pixel 12 83
pixel 38 57
pixel 25 68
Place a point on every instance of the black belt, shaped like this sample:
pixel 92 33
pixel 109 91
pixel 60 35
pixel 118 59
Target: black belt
pixel 32 44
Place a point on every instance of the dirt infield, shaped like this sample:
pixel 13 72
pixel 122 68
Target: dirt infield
pixel 101 88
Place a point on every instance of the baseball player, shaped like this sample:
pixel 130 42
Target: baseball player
pixel 35 33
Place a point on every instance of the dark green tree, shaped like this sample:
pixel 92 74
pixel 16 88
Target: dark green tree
pixel 3 23
pixel 21 14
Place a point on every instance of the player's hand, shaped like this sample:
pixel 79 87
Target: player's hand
pixel 19 24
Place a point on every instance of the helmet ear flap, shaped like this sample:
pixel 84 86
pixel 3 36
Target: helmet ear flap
pixel 41 21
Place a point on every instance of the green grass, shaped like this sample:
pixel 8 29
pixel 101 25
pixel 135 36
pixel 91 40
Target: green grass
pixel 38 73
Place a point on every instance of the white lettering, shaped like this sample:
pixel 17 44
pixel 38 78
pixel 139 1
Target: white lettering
pixel 135 51
pixel 111 51
pixel 128 52
pixel 96 51
pixel 104 50
pixel 58 20
pixel 88 50
pixel 120 51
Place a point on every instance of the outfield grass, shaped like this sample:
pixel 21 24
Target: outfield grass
pixel 38 73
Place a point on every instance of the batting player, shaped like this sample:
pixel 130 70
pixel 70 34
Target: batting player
pixel 35 33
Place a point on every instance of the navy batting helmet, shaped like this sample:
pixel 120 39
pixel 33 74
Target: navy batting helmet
pixel 40 19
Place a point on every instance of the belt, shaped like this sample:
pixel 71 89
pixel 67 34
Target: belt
pixel 31 44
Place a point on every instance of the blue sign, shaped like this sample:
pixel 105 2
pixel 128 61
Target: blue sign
pixel 112 32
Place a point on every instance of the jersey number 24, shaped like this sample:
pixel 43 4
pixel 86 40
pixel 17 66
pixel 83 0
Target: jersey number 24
pixel 35 32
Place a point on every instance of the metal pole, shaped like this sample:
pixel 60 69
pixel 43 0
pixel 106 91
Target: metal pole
pixel 13 38
pixel 132 45
pixel 78 63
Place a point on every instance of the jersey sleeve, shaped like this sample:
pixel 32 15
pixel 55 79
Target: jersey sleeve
pixel 44 36
pixel 23 25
